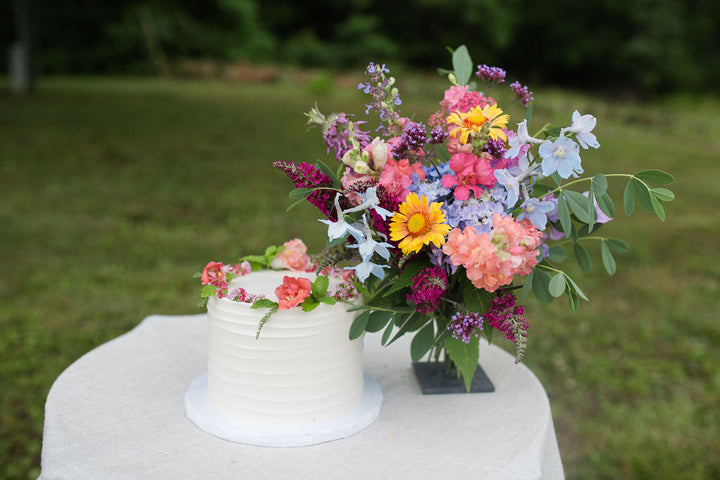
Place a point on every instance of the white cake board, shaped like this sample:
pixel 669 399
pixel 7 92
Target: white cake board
pixel 199 410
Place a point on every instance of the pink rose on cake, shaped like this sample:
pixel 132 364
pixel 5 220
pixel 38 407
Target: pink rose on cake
pixel 293 257
pixel 292 292
pixel 213 274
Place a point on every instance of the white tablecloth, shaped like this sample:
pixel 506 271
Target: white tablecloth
pixel 118 413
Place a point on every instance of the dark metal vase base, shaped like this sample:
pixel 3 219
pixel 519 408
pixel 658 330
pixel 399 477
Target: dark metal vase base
pixel 432 379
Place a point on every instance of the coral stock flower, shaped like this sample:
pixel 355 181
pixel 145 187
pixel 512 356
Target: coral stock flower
pixel 292 292
pixel 489 119
pixel 418 223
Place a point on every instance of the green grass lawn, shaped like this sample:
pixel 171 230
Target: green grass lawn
pixel 114 192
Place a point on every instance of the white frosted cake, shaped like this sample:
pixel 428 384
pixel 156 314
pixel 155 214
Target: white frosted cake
pixel 301 369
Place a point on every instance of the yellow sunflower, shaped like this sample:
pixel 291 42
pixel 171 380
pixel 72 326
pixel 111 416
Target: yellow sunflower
pixel 490 117
pixel 418 224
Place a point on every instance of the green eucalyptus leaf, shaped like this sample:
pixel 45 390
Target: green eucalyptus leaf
pixel 606 205
pixel 578 204
pixel 617 245
pixel 658 208
pixel 476 300
pixel 462 65
pixel 655 176
pixel 378 320
pixel 599 184
pixel 540 282
pixel 328 171
pixel 564 214
pixel 527 286
pixel 573 301
pixel 557 254
pixel 422 341
pixel 629 198
pixel 663 194
pixel 387 333
pixel 301 192
pixel 643 195
pixel 575 288
pixel 465 356
pixel 583 257
pixel 607 258
pixel 358 326
pixel 412 268
pixel 557 285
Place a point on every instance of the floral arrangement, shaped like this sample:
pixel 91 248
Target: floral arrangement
pixel 445 225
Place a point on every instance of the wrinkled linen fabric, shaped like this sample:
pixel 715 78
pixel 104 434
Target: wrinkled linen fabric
pixel 118 413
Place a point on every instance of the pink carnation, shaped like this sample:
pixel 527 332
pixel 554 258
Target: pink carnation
pixel 396 177
pixel 293 257
pixel 213 274
pixel 292 292
pixel 492 259
pixel 471 171
pixel 452 96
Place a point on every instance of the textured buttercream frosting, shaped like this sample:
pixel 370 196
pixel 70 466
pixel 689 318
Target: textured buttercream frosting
pixel 302 368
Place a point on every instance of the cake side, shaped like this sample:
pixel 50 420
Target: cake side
pixel 302 368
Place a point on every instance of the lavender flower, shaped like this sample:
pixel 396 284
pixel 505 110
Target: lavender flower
pixel 522 93
pixel 464 326
pixel 385 96
pixel 491 74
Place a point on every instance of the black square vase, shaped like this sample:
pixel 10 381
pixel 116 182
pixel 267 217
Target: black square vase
pixel 433 379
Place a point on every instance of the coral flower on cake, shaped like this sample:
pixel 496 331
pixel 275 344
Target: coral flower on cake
pixel 213 274
pixel 292 292
pixel 489 119
pixel 293 257
pixel 418 223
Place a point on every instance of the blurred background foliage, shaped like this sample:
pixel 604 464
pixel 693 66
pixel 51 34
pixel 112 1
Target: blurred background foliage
pixel 635 47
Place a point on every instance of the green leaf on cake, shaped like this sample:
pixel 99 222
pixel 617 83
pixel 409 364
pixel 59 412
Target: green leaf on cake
pixel 320 286
pixel 264 303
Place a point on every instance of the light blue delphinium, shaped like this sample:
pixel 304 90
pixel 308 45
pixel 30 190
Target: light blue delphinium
pixel 561 156
pixel 341 228
pixel 582 125
pixel 370 201
pixel 536 211
pixel 365 269
pixel 474 212
pixel 512 177
pixel 521 138
pixel 369 246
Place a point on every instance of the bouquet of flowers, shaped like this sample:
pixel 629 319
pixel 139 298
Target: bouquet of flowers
pixel 447 224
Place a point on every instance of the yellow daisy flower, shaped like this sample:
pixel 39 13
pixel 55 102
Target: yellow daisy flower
pixel 418 224
pixel 490 117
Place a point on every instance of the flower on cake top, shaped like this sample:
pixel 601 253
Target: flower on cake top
pixel 293 257
pixel 292 292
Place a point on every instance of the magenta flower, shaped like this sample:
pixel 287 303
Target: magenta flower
pixel 471 172
pixel 428 288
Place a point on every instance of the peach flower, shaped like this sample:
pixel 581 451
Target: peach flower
pixel 293 257
pixel 292 292
pixel 491 260
pixel 213 274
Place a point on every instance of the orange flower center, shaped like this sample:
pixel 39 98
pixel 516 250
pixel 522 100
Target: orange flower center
pixel 418 224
